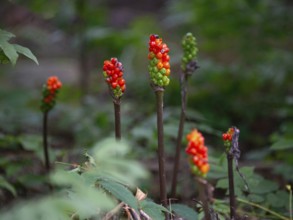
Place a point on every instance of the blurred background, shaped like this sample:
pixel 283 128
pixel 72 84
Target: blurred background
pixel 245 79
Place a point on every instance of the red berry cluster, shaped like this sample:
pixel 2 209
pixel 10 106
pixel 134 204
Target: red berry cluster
pixel 227 138
pixel 113 73
pixel 50 90
pixel 198 153
pixel 159 67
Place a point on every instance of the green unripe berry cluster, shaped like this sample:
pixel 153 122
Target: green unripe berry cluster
pixel 189 50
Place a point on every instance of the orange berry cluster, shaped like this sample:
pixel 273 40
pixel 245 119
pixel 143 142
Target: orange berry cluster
pixel 198 153
pixel 227 138
pixel 113 73
pixel 50 91
pixel 159 66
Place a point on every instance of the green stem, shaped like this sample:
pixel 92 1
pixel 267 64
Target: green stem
pixel 45 142
pixel 263 208
pixel 231 186
pixel 161 153
pixel 117 119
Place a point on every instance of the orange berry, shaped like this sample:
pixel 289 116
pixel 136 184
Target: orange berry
pixel 160 65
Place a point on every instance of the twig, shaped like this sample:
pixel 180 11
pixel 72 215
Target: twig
pixel 111 213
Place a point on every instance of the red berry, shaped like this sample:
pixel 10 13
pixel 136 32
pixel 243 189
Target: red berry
pixel 113 60
pixel 114 85
pixel 121 82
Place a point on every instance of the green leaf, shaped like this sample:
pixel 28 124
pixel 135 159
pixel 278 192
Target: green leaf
pixel 5 35
pixel 264 186
pixel 278 199
pixel 184 211
pixel 154 210
pixel 26 52
pixel 282 144
pixel 119 191
pixel 9 51
pixel 6 185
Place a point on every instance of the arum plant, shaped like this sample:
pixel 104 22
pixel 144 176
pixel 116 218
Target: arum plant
pixel 230 139
pixel 188 66
pixel 159 70
pixel 113 73
pixel 50 91
pixel 198 160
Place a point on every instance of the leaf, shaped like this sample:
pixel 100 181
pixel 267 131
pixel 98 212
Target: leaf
pixel 6 185
pixel 9 51
pixel 278 199
pixel 120 192
pixel 154 210
pixel 184 211
pixel 5 35
pixel 264 186
pixel 26 52
pixel 282 144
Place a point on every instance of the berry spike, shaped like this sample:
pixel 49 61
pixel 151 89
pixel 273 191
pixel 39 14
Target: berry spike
pixel 197 152
pixel 113 73
pixel 190 50
pixel 50 91
pixel 159 67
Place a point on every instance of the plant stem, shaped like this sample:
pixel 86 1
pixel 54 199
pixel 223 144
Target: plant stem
pixel 117 119
pixel 177 157
pixel 290 201
pixel 45 142
pixel 183 81
pixel 161 153
pixel 202 186
pixel 263 208
pixel 231 186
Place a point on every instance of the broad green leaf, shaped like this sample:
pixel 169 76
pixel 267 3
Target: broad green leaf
pixel 278 199
pixel 282 144
pixel 264 186
pixel 120 192
pixel 154 210
pixel 9 51
pixel 3 58
pixel 6 185
pixel 184 211
pixel 5 35
pixel 26 52
pixel 222 183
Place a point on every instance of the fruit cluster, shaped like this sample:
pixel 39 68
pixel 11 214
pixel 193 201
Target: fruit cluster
pixel 50 91
pixel 159 66
pixel 227 138
pixel 189 50
pixel 113 73
pixel 198 153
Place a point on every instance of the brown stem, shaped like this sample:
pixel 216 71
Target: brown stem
pixel 161 153
pixel 231 186
pixel 203 195
pixel 45 142
pixel 117 119
pixel 183 80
